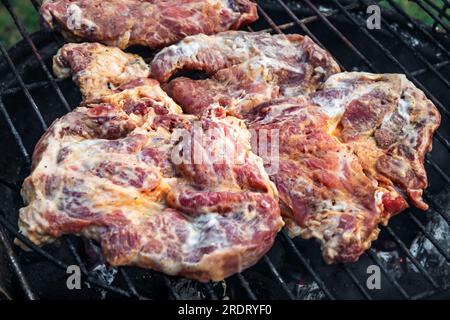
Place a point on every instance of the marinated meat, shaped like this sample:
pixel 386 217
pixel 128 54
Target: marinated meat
pixel 97 69
pixel 152 186
pixel 389 124
pixel 324 191
pixel 151 23
pixel 246 69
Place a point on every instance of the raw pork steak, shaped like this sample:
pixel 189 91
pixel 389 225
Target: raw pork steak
pixel 245 68
pixel 388 123
pixel 151 23
pixel 156 188
pixel 324 192
pixel 97 69
pixel 350 155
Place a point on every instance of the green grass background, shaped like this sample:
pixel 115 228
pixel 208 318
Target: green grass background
pixel 26 12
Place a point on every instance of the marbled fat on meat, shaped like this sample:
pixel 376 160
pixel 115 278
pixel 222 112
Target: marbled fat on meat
pixel 350 155
pixel 324 192
pixel 117 170
pixel 97 69
pixel 246 69
pixel 151 23
pixel 388 122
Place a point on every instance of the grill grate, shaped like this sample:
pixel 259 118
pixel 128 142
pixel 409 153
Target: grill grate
pixel 307 18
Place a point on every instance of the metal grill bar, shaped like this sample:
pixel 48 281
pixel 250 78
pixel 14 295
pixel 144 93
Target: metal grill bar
pixel 438 65
pixel 35 4
pixel 356 282
pixel 55 261
pixel 272 24
pixel 24 89
pixel 75 254
pixel 436 208
pixel 308 267
pixel 15 265
pixel 130 284
pixel 418 27
pixel 441 172
pixel 416 53
pixel 210 290
pixel 373 257
pixel 427 294
pixel 391 57
pixel 73 250
pixel 27 37
pixel 30 86
pixel 40 117
pixel 429 237
pixel 171 288
pixel 443 140
pixel 413 259
pixel 312 18
pixel 304 27
pixel 372 254
pixel 336 31
pixel 14 132
pixel 277 276
pixel 319 281
pixel 246 287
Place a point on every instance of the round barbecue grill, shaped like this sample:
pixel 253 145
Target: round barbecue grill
pixel 412 253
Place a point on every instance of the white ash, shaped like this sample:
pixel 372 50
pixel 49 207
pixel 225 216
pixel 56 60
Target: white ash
pixel 308 291
pixel 103 274
pixel 425 252
pixel 392 262
pixel 188 289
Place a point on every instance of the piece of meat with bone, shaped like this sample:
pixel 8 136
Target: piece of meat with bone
pixel 389 124
pixel 97 69
pixel 324 191
pixel 156 188
pixel 151 23
pixel 246 69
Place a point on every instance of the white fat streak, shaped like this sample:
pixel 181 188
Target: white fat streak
pixel 378 199
pixel 76 19
pixel 335 107
pixel 331 107
pixel 240 45
pixel 403 107
pixel 327 205
pixel 278 110
pixel 197 239
pixel 190 47
pixel 271 64
pixel 343 160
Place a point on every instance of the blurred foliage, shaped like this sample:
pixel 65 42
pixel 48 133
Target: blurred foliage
pixel 414 10
pixel 27 13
